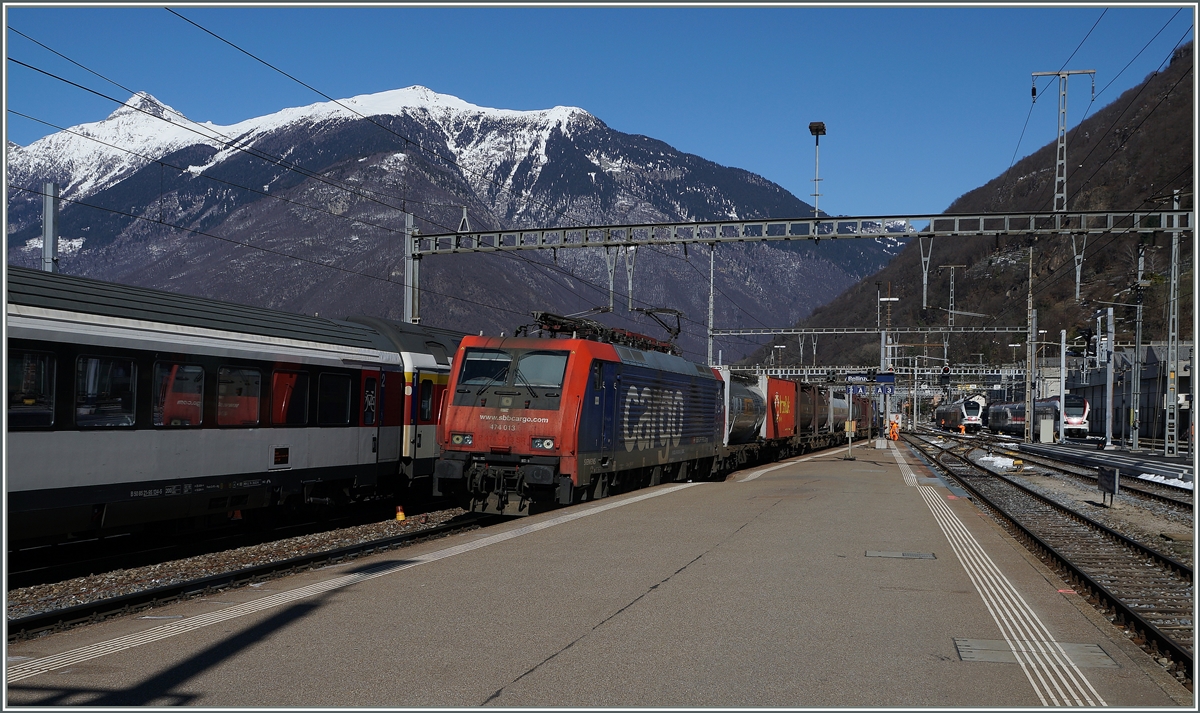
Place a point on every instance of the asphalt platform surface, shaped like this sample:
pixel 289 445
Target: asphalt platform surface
pixel 817 582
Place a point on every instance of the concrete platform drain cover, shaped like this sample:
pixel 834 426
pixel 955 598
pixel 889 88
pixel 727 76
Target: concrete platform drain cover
pixel 996 651
pixel 903 555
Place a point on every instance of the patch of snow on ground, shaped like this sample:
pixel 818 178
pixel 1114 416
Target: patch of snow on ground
pixel 998 461
pixel 1177 482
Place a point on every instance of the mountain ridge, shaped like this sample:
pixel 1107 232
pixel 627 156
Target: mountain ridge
pixel 343 207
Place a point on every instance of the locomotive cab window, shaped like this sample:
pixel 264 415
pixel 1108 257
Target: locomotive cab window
pixel 333 400
pixel 178 394
pixel 238 392
pixel 542 368
pixel 289 398
pixel 482 367
pixel 104 392
pixel 30 389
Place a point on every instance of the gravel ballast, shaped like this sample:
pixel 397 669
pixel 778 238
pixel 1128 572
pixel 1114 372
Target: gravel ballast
pixel 28 601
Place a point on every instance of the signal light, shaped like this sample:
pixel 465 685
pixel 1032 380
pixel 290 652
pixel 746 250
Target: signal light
pixel 945 370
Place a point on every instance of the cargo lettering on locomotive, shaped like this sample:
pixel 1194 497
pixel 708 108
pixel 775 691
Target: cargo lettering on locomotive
pixel 660 422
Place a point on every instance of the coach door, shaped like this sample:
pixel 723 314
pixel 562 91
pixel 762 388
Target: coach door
pixel 389 406
pixel 423 436
pixel 368 417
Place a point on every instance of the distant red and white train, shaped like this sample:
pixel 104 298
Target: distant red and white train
pixel 1010 417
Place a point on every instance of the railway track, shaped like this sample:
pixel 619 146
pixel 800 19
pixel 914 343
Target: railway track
pixel 67 560
pixel 1144 591
pixel 91 612
pixel 1148 490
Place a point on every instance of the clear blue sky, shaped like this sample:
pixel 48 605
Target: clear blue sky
pixel 921 104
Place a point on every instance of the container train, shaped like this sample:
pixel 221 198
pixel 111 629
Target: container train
pixel 965 413
pixel 530 423
pixel 130 406
pixel 1010 417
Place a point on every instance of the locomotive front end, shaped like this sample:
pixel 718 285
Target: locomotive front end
pixel 503 432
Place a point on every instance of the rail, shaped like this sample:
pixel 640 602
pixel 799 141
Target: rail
pixel 1175 584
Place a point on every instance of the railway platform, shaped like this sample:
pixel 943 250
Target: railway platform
pixel 815 582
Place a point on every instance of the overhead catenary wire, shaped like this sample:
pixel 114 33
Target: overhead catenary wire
pixel 1013 161
pixel 273 196
pixel 251 151
pixel 449 160
pixel 260 248
pixel 1046 284
pixel 277 160
pixel 1074 134
pixel 205 176
pixel 420 147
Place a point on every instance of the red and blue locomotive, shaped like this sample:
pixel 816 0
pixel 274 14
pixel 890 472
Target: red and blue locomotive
pixel 532 423
pixel 535 422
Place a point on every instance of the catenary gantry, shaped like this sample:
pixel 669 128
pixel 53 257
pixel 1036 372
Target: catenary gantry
pixel 627 238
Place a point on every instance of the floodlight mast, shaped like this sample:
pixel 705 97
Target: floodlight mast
pixel 817 129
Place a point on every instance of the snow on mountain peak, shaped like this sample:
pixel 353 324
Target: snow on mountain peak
pixel 143 102
pixel 144 129
pixel 399 101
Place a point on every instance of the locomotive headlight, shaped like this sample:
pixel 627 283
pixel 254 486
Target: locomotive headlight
pixel 544 444
pixel 462 439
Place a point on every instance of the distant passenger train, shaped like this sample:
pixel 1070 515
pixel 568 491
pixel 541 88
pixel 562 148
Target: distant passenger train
pixel 967 413
pixel 1010 418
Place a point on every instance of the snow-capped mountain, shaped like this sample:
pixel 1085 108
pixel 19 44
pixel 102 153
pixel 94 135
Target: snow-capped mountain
pixel 153 198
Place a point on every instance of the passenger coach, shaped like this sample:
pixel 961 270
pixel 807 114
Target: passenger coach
pixel 128 406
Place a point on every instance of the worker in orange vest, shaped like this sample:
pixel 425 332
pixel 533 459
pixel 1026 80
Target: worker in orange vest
pixel 894 431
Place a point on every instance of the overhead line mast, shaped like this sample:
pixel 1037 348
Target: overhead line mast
pixel 1060 163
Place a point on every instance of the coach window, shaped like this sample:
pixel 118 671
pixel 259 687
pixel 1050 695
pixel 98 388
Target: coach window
pixel 426 402
pixel 30 389
pixel 289 398
pixel 333 400
pixel 438 352
pixel 104 392
pixel 178 394
pixel 238 392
